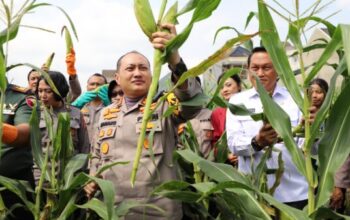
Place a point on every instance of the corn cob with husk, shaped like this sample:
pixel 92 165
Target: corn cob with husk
pixel 68 38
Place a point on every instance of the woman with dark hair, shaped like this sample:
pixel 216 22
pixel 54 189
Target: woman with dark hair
pixel 231 86
pixel 317 91
pixel 115 92
pixel 55 102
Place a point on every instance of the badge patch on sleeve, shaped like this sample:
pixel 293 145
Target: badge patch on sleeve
pixel 104 148
pixel 31 101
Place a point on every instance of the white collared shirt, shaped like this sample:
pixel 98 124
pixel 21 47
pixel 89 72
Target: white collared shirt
pixel 241 130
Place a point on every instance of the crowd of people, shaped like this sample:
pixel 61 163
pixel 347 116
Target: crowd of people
pixel 106 119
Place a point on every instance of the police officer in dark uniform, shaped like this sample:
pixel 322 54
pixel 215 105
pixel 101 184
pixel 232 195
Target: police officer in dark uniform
pixel 16 156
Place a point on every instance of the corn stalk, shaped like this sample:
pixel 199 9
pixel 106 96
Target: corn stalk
pixel 144 15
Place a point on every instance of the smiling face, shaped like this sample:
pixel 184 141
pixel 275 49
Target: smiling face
pixel 46 95
pixel 230 87
pixel 134 75
pixel 262 66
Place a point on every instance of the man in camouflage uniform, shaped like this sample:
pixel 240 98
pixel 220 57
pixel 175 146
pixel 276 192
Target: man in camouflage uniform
pixel 16 156
pixel 119 129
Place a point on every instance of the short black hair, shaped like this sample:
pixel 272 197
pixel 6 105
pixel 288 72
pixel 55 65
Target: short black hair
pixel 119 61
pixel 60 83
pixel 260 49
pixel 321 83
pixel 30 73
pixel 98 75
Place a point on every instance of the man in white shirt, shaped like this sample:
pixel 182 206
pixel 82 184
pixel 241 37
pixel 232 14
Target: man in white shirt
pixel 248 139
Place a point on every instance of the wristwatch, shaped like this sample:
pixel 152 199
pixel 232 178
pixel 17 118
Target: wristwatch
pixel 255 144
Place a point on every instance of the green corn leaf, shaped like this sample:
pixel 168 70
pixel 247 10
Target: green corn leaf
pixel 330 27
pixel 279 173
pixel 294 35
pixel 183 196
pixel 203 10
pixel 323 111
pixel 44 74
pixel 222 149
pixel 191 4
pixel 273 45
pixel 289 212
pixel 334 145
pixel 3 83
pixel 261 168
pixel 249 18
pixel 204 187
pixel 280 121
pixel 69 208
pixel 222 29
pixel 345 30
pixel 327 213
pixel 216 57
pixel 172 185
pixel 76 163
pixel 223 172
pixel 208 188
pixel 332 46
pixel 97 206
pixel 61 143
pixel 169 111
pixel 11 32
pixel 144 16
pixel 170 16
pixel 107 188
pixel 19 188
pixel 123 208
pixel 110 165
pixel 311 48
pixel 35 140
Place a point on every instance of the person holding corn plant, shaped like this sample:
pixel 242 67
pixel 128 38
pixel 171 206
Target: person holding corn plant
pixel 92 101
pixel 16 158
pixel 249 139
pixel 55 102
pixel 119 129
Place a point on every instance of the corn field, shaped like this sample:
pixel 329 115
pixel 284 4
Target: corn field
pixel 207 188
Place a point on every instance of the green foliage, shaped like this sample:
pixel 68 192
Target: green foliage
pixel 333 147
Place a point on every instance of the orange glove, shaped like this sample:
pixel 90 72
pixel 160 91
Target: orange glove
pixel 70 61
pixel 9 133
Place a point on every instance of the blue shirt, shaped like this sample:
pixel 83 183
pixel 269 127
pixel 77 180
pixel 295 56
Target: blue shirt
pixel 241 130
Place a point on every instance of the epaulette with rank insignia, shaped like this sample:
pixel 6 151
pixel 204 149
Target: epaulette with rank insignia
pixel 19 89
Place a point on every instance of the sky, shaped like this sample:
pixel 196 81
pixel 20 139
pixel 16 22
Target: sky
pixel 107 29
